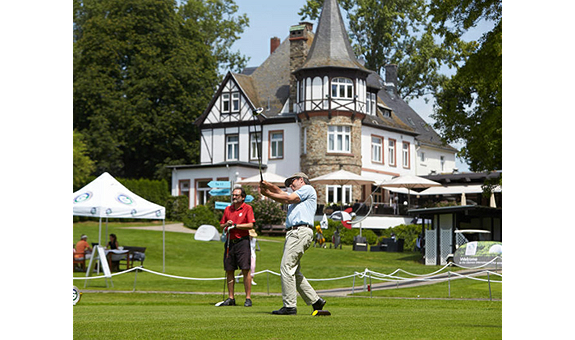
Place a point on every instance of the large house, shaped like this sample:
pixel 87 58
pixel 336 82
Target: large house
pixel 321 111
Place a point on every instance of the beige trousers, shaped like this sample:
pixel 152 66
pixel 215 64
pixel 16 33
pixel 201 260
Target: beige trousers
pixel 297 242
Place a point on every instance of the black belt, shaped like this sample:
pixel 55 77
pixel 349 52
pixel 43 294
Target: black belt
pixel 300 225
pixel 236 240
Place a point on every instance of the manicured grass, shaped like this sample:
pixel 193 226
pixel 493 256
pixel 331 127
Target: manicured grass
pixel 173 316
pixel 196 259
pixel 392 313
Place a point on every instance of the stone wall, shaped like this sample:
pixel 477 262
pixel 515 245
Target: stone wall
pixel 318 161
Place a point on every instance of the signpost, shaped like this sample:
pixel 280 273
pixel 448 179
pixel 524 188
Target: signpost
pixel 220 188
pixel 220 192
pixel 220 184
pixel 222 205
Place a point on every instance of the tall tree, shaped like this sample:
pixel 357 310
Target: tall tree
pixel 142 74
pixel 83 165
pixel 469 107
pixel 396 32
pixel 220 29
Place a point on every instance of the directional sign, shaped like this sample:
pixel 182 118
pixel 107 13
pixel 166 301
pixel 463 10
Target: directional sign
pixel 220 192
pixel 220 184
pixel 249 198
pixel 222 205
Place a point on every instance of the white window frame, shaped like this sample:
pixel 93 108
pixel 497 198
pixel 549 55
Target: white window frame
pixel 202 192
pixel 345 191
pixel 391 151
pixel 442 161
pixel 377 149
pixel 342 88
pixel 339 138
pixel 235 107
pixel 276 144
pixel 255 145
pixel 370 103
pixel 226 103
pixel 405 154
pixel 233 148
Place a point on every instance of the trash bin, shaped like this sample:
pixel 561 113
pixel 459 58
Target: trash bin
pixel 359 243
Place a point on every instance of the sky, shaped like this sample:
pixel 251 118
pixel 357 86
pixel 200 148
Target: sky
pixel 272 18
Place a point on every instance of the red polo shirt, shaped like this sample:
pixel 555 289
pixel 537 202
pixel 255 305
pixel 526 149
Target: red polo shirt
pixel 244 214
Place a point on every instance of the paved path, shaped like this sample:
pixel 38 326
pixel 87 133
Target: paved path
pixel 176 227
pixel 179 228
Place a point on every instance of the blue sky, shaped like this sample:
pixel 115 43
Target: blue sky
pixel 270 18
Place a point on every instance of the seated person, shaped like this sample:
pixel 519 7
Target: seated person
pixel 82 248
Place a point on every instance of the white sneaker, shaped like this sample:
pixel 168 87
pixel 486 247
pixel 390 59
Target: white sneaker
pixel 254 283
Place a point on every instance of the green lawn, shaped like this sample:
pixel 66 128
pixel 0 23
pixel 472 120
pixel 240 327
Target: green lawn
pixel 195 259
pixel 392 313
pixel 179 316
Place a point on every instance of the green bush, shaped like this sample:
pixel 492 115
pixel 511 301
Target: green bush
pixel 346 234
pixel 156 191
pixel 267 212
pixel 177 207
pixel 199 215
pixel 407 232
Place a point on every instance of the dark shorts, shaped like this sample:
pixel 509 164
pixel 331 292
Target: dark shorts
pixel 239 256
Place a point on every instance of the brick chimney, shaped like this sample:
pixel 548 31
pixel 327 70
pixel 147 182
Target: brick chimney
pixel 299 49
pixel 274 43
pixel 391 78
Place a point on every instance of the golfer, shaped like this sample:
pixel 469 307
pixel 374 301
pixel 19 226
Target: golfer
pixel 238 220
pixel 299 225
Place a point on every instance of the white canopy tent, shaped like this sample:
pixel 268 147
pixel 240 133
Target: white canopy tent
pixel 106 197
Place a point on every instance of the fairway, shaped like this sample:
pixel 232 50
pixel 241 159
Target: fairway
pixel 184 308
pixel 186 316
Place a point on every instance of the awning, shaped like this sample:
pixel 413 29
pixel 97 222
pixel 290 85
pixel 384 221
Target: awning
pixel 456 190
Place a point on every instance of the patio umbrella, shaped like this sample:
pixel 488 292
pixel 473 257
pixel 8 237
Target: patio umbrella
pixel 341 177
pixel 268 176
pixel 343 216
pixel 409 182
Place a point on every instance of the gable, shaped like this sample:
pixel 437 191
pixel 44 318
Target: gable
pixel 231 103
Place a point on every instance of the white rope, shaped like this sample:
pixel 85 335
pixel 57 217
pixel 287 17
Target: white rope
pixel 374 275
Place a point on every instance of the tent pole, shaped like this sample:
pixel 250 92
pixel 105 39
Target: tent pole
pixel 106 234
pixel 164 245
pixel 100 231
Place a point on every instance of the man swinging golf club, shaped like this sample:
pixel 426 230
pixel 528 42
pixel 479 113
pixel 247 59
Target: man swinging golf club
pixel 237 220
pixel 299 236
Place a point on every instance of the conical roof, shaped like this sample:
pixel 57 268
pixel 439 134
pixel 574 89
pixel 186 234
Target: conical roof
pixel 331 46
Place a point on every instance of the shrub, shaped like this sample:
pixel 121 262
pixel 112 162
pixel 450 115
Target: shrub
pixel 346 234
pixel 267 212
pixel 407 232
pixel 199 215
pixel 177 207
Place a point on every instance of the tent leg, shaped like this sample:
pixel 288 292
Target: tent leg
pixel 163 245
pixel 100 231
pixel 106 234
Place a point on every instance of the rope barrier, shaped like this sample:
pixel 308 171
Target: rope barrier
pixel 372 274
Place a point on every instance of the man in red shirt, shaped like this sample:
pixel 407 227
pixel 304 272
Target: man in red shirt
pixel 238 219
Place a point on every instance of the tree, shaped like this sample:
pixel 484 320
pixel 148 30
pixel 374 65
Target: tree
pixel 469 107
pixel 83 165
pixel 397 32
pixel 215 19
pixel 143 72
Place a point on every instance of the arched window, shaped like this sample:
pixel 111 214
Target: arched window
pixel 342 88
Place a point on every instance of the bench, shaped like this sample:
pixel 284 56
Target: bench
pixel 135 254
pixel 272 230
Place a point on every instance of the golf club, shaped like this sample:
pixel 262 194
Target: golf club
pixel 320 313
pixel 227 232
pixel 257 112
